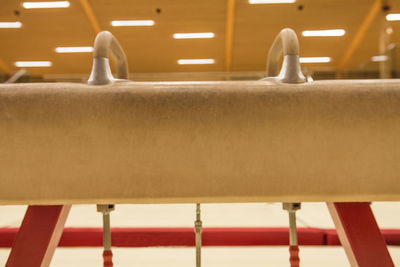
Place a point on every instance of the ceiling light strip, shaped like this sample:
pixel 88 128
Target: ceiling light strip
pixel 22 64
pixel 10 25
pixel 379 58
pixel 74 49
pixel 315 59
pixel 393 17
pixel 50 4
pixel 324 33
pixel 195 35
pixel 272 1
pixel 196 61
pixel 122 23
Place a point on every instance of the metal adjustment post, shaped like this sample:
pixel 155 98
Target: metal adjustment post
pixel 294 245
pixel 198 225
pixel 107 254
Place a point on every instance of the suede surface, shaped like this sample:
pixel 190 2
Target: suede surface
pixel 170 142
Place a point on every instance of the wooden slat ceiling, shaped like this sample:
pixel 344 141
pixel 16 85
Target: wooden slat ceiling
pixel 152 49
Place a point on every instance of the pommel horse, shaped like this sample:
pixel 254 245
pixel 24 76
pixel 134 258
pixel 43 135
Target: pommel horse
pixel 279 139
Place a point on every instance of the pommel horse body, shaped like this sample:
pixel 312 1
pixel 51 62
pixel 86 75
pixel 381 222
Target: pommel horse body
pixel 280 139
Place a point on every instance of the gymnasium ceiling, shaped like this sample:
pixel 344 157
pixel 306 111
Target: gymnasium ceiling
pixel 152 49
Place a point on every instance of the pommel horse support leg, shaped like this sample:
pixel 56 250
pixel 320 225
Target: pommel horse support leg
pixel 360 235
pixel 38 236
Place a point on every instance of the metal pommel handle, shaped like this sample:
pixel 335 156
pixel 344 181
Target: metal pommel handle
pixel 104 44
pixel 285 43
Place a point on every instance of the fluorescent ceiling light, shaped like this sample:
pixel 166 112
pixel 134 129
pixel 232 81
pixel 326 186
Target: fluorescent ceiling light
pixel 74 49
pixel 33 63
pixel 195 61
pixel 10 25
pixel 271 1
pixel 315 59
pixel 336 32
pixel 379 58
pixel 52 4
pixel 393 17
pixel 118 23
pixel 195 35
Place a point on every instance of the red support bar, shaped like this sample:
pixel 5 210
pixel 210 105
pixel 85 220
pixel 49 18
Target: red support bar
pixel 38 236
pixel 360 235
pixel 177 236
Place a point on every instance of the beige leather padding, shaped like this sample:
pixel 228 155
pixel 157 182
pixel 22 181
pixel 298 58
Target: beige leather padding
pixel 170 142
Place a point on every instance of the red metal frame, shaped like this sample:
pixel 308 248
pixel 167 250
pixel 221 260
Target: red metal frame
pixel 184 236
pixel 360 235
pixel 42 227
pixel 180 236
pixel 38 236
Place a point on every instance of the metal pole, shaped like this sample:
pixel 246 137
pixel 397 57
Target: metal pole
pixel 107 253
pixel 106 231
pixel 293 242
pixel 198 229
pixel 293 229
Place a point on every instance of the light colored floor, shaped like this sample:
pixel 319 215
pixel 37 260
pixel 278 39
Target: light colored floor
pixel 212 257
pixel 243 214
